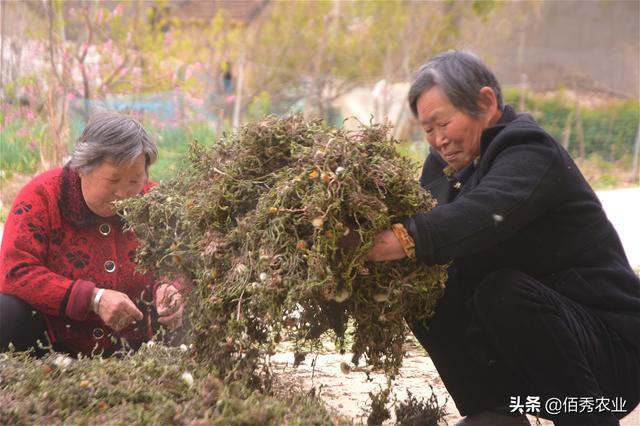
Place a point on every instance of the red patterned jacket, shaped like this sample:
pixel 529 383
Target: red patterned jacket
pixel 55 251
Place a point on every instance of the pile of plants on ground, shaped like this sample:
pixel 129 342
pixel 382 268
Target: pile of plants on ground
pixel 158 385
pixel 271 225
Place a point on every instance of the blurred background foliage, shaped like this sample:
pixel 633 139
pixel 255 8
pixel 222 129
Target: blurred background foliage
pixel 195 69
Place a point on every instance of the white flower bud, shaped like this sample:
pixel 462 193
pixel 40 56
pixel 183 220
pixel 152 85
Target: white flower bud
pixel 62 361
pixel 317 222
pixel 187 378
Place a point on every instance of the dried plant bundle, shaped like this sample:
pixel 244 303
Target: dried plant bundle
pixel 258 222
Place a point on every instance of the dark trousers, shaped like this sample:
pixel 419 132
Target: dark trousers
pixel 511 337
pixel 21 326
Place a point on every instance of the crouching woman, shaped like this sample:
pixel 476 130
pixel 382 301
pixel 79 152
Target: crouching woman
pixel 67 270
pixel 541 304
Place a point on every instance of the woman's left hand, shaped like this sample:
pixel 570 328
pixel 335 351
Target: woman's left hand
pixel 169 305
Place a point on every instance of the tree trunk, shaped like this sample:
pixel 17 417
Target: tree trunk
pixel 566 132
pixel 580 133
pixel 2 39
pixel 635 174
pixel 52 151
pixel 239 87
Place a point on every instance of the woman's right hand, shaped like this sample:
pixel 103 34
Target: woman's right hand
pixel 386 246
pixel 117 310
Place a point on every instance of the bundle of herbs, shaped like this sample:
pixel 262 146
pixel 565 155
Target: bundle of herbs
pixel 256 223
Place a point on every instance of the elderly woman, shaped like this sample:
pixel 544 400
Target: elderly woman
pixel 541 305
pixel 67 271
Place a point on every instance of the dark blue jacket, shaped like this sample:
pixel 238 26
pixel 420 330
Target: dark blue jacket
pixel 526 206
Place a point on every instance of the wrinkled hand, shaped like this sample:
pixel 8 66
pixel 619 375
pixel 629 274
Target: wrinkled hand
pixel 169 305
pixel 117 310
pixel 386 246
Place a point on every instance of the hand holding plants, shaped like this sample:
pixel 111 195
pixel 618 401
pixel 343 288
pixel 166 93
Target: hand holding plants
pixel 117 310
pixel 169 305
pixel 386 246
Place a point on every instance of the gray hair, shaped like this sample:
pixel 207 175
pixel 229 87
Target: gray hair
pixel 460 75
pixel 113 137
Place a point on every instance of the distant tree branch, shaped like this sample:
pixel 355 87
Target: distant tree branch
pixel 83 56
pixel 52 59
pixel 116 72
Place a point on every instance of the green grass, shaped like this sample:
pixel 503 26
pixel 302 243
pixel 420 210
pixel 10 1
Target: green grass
pixel 168 164
pixel 20 139
pixel 608 129
pixel 173 146
pixel 416 151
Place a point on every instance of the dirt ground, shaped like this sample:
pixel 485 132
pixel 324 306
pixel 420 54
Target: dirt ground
pixel 348 393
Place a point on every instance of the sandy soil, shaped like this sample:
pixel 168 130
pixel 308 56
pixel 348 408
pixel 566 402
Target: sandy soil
pixel 348 393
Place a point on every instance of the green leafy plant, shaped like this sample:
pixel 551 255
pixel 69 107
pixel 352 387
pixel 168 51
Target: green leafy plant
pixel 414 412
pixel 21 134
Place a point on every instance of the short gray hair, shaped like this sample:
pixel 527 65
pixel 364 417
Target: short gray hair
pixel 113 137
pixel 460 75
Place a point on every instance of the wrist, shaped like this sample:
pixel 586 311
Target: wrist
pixel 95 300
pixel 406 242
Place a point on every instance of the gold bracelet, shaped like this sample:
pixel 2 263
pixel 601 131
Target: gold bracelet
pixel 407 243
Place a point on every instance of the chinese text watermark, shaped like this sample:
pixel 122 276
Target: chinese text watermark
pixel 568 404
